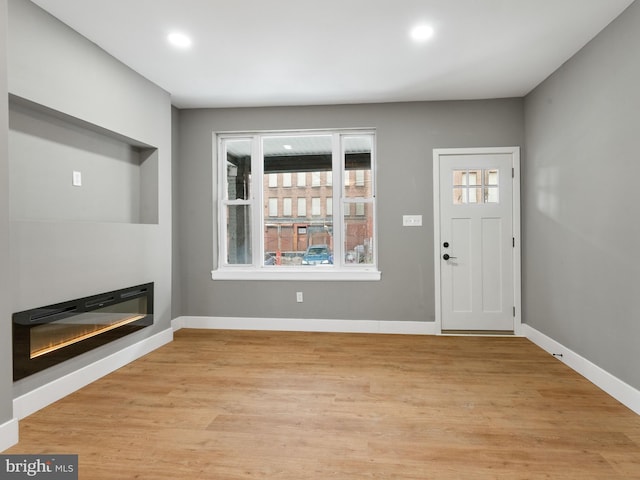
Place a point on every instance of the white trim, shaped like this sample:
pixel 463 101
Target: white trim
pixel 517 252
pixel 296 274
pixel 224 271
pixel 8 434
pixel 621 391
pixel 306 325
pixel 31 402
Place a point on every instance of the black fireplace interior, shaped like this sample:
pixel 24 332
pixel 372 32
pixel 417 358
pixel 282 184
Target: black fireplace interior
pixel 46 336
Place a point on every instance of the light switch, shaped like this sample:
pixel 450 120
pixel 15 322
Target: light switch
pixel 77 179
pixel 412 220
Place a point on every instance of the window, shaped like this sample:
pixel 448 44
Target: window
pixel 475 186
pixel 273 207
pixel 273 180
pixel 302 179
pixel 302 207
pixel 258 222
pixel 286 179
pixel 286 207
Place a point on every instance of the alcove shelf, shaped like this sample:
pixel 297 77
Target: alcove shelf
pixel 65 169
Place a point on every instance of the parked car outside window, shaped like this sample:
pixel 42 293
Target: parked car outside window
pixel 317 255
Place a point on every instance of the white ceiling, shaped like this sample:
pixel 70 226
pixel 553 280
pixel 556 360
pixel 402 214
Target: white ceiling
pixel 303 52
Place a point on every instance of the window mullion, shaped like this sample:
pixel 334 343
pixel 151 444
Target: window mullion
pixel 222 200
pixel 257 201
pixel 337 165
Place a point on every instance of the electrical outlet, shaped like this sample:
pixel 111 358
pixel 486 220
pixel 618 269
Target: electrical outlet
pixel 299 297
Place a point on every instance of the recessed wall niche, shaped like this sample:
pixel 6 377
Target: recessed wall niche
pixel 118 175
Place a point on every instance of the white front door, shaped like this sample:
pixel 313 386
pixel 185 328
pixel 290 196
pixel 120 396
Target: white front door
pixel 476 239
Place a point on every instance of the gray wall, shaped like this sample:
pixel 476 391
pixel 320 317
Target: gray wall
pixel 6 393
pixel 53 260
pixel 406 135
pixel 45 149
pixel 581 268
pixel 176 283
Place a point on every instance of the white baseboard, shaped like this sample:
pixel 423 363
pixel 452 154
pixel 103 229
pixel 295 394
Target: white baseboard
pixel 8 434
pixel 306 325
pixel 621 391
pixel 30 402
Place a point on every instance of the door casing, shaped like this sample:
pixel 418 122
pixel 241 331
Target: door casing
pixel 517 280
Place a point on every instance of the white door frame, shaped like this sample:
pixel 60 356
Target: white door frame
pixel 517 274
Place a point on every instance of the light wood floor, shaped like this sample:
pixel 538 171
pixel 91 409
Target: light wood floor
pixel 265 405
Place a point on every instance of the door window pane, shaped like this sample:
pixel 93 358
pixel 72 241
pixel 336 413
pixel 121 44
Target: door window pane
pixel 491 177
pixel 474 177
pixel 475 186
pixel 491 195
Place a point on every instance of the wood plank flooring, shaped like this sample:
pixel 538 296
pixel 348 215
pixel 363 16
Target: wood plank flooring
pixel 273 405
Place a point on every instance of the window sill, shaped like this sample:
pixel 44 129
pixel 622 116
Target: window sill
pixel 313 274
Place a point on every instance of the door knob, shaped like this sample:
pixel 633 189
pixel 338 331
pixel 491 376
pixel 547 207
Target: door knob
pixel 446 256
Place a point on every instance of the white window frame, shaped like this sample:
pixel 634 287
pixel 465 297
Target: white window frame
pixel 340 270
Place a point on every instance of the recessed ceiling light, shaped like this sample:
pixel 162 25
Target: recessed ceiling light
pixel 287 147
pixel 179 40
pixel 422 33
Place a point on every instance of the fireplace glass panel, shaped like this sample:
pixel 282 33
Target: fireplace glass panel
pixel 53 336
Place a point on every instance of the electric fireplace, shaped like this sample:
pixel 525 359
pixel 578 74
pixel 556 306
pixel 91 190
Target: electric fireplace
pixel 46 336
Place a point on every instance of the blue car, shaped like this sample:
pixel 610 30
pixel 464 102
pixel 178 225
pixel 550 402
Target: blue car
pixel 317 255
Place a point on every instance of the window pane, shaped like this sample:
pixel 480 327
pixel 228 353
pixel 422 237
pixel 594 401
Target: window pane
pixel 357 153
pixel 475 177
pixel 359 234
pixel 238 234
pixel 459 177
pixel 329 207
pixel 301 220
pixel 491 177
pixel 475 195
pixel 238 153
pixel 491 194
pixel 459 195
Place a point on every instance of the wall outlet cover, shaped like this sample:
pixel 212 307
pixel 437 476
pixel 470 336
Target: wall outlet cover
pixel 412 220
